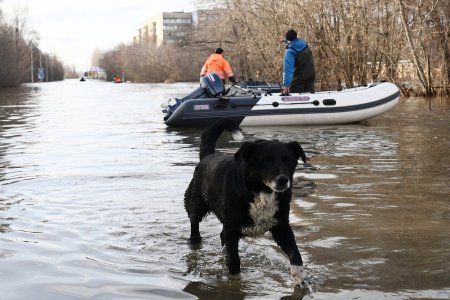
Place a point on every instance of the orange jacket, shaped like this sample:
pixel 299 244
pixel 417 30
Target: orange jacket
pixel 216 64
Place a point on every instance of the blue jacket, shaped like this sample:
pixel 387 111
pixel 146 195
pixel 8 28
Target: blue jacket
pixel 293 48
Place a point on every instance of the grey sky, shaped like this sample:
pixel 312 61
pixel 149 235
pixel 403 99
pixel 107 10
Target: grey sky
pixel 72 29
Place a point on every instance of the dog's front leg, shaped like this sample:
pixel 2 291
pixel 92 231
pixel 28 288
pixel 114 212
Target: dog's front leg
pixel 232 250
pixel 283 235
pixel 222 237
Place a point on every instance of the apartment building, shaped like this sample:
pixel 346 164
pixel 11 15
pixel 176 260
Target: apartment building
pixel 164 28
pixel 205 16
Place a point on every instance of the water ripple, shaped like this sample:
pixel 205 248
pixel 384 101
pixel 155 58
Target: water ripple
pixel 91 202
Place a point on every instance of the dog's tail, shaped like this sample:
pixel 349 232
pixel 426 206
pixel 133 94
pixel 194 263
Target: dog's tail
pixel 212 133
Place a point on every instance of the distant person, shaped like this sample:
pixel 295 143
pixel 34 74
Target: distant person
pixel 216 64
pixel 298 66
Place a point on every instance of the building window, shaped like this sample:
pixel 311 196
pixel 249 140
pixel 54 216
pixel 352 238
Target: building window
pixel 179 21
pixel 170 27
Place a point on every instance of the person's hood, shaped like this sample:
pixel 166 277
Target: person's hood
pixel 297 45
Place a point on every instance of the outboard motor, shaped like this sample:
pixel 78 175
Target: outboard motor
pixel 212 84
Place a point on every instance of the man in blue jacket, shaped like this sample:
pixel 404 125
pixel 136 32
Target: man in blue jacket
pixel 298 67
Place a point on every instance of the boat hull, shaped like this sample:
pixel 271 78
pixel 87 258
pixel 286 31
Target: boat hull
pixel 321 108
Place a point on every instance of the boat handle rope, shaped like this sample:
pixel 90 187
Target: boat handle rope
pixel 276 104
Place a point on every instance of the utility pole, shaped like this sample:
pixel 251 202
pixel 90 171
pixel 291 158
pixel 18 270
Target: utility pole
pixel 40 66
pixel 17 51
pixel 32 71
pixel 46 69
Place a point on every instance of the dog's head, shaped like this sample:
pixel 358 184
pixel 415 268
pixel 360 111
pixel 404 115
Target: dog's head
pixel 271 162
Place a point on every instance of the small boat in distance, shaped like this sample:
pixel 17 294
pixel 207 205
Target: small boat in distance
pixel 255 103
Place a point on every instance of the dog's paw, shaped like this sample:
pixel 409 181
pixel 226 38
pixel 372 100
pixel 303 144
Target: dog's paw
pixel 298 273
pixel 195 242
pixel 237 136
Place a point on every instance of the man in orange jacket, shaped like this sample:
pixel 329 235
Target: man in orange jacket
pixel 216 64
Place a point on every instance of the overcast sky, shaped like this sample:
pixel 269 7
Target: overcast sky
pixel 72 29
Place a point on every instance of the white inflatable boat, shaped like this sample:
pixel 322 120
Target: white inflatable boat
pixel 262 104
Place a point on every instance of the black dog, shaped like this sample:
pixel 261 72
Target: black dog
pixel 249 193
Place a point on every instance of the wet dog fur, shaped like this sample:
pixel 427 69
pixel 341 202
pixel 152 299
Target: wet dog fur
pixel 250 193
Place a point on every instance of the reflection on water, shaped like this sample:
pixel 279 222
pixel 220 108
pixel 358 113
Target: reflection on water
pixel 91 202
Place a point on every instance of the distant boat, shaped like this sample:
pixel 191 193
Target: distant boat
pixel 82 79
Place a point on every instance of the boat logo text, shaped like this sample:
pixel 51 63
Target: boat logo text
pixel 294 98
pixel 201 107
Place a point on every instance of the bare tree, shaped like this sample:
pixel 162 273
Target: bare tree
pixel 15 50
pixel 70 72
pixel 354 42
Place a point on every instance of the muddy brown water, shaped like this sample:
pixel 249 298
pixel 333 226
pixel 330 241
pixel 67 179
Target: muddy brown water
pixel 91 202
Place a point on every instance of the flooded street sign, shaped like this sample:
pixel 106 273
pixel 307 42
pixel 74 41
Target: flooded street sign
pixel 41 74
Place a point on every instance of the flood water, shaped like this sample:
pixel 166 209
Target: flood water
pixel 91 202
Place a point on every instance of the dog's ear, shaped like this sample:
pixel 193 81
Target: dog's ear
pixel 297 150
pixel 244 152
